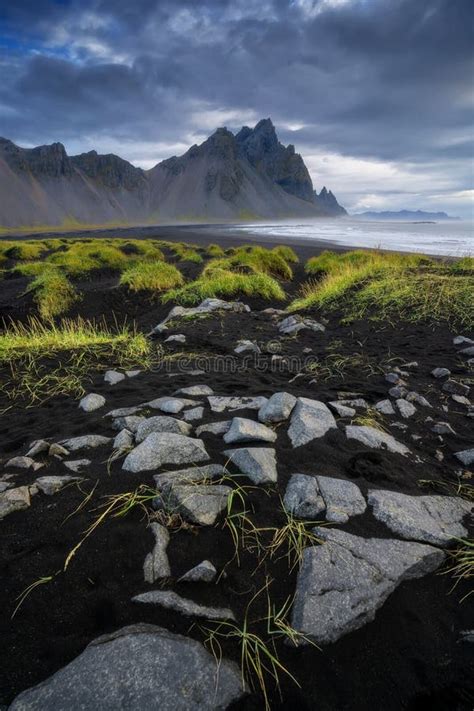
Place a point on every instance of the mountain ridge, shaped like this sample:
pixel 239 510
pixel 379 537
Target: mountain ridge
pixel 404 215
pixel 228 177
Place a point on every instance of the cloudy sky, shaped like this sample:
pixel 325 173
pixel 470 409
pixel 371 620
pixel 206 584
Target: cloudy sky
pixel 377 95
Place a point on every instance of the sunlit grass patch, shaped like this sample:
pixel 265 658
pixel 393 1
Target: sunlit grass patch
pixel 386 286
pixel 214 250
pixel 255 259
pixel 222 283
pixel 82 257
pixel 53 292
pixel 287 253
pixel 78 347
pixel 22 250
pixel 31 269
pixel 153 276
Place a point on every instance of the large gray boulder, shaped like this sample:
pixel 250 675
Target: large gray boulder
pixel 245 430
pixel 302 497
pixel 257 463
pixel 200 504
pixel 372 437
pixel 205 307
pixel 278 408
pixel 161 423
pixel 432 519
pixel 165 448
pixel 343 582
pixel 219 403
pixel 172 601
pixel 310 420
pixel 136 668
pixel 343 499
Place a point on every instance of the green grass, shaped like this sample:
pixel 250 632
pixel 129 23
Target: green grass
pixel 214 250
pixel 152 276
pixel 389 286
pixel 38 338
pixel 53 292
pixel 31 269
pixel 288 254
pixel 22 250
pixel 252 259
pixel 78 348
pixel 83 257
pixel 222 283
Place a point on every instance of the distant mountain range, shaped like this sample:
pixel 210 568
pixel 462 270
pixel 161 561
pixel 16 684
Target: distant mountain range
pixel 406 215
pixel 249 175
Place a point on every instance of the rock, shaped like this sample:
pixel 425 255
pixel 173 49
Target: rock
pixel 440 372
pixel 394 379
pixel 136 668
pixel 397 391
pixel 455 388
pixel 92 402
pixel 356 402
pixel 190 475
pixel 413 396
pixel 469 351
pixel 406 409
pixel 172 405
pixel 296 323
pixel 244 346
pixel 460 340
pixel 342 498
pixel 161 423
pixel 431 519
pixel 196 413
pixel 156 563
pixel 460 399
pixel 215 428
pixel 343 582
pixel 177 338
pixel 132 373
pixel 205 307
pixel 50 485
pixel 342 410
pixel 195 391
pixel 125 411
pixel 376 439
pixel 310 419
pixel 129 422
pixel 198 504
pixel 385 407
pixel 77 465
pixel 14 500
pixel 442 428
pixel 466 457
pixel 256 463
pixel 20 463
pixel 204 572
pixel 302 497
pixel 4 485
pixel 244 430
pixel 58 451
pixel 220 403
pixel 39 446
pixel 172 601
pixel 112 377
pixel 278 408
pixel 165 448
pixel 85 442
pixel 123 441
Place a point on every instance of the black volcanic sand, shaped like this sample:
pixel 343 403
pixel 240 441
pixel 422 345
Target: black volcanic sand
pixel 409 657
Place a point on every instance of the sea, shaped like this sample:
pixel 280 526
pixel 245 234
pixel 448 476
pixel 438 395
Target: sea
pixel 453 238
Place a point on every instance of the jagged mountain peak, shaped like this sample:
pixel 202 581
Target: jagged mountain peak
pixel 227 177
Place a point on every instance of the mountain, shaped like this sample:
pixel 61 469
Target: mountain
pixel 249 175
pixel 407 215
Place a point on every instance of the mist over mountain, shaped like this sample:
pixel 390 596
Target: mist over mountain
pixel 248 175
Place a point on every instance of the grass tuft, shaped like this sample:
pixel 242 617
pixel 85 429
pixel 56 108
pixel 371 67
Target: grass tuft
pixel 152 276
pixel 222 283
pixel 53 292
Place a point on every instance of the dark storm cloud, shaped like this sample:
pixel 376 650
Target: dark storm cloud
pixel 382 80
